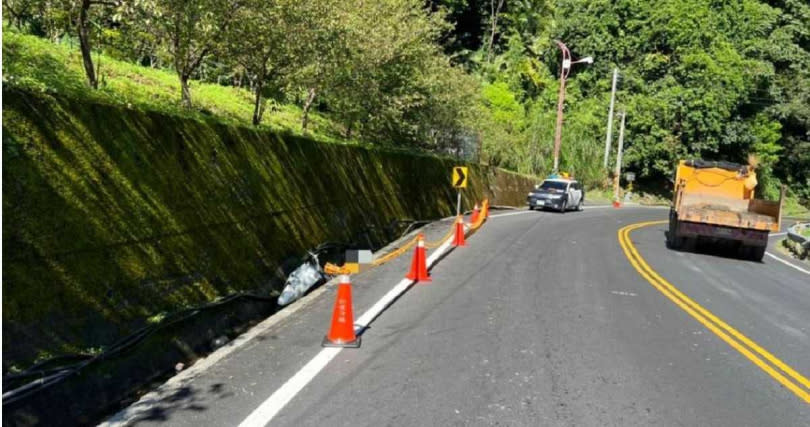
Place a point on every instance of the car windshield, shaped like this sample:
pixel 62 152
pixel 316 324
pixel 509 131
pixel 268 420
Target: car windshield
pixel 552 185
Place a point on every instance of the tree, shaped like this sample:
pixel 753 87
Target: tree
pixel 72 15
pixel 191 29
pixel 51 19
pixel 502 117
pixel 83 31
pixel 495 7
pixel 381 77
pixel 273 40
pixel 19 12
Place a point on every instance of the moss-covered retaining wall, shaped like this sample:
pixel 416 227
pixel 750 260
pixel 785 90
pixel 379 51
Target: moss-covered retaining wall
pixel 112 216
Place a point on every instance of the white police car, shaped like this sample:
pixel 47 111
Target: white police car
pixel 561 194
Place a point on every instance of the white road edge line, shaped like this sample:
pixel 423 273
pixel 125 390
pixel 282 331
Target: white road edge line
pixel 789 264
pixel 530 212
pixel 265 413
pixel 510 214
pixel 127 416
pixel 586 208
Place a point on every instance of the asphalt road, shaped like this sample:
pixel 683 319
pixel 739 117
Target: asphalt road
pixel 540 320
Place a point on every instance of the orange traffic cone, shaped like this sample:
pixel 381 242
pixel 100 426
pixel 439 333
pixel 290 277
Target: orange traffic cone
pixel 419 265
pixel 616 204
pixel 341 333
pixel 458 239
pixel 475 213
pixel 485 209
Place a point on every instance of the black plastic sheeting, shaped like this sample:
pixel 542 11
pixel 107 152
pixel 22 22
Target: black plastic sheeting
pixel 84 392
pixel 707 164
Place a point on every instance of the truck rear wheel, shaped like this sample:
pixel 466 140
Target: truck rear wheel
pixel 673 241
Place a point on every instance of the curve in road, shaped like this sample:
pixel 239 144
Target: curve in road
pixel 733 337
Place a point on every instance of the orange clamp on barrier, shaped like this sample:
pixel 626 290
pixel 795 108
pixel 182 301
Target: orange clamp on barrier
pixel 334 270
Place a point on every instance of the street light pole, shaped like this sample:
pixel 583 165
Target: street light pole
pixel 566 68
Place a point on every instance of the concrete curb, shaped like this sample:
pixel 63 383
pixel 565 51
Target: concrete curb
pixel 130 415
pixel 796 242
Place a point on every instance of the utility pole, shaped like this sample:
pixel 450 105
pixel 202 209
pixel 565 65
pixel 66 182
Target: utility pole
pixel 610 117
pixel 560 104
pixel 617 178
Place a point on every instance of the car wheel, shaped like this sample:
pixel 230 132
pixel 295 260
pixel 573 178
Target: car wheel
pixel 531 208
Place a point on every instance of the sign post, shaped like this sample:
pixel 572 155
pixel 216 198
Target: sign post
pixel 460 178
pixel 630 177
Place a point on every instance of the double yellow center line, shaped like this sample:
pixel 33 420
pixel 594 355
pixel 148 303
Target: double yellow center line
pixel 766 361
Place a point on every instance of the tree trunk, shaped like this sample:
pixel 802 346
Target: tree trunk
pixel 84 42
pixel 186 66
pixel 185 92
pixel 307 106
pixel 258 108
pixel 495 11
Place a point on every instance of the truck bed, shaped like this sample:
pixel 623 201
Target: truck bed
pixel 752 214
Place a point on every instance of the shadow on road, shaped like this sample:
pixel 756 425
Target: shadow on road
pixel 727 250
pixel 184 399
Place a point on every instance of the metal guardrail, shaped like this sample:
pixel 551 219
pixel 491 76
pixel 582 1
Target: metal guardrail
pixel 797 242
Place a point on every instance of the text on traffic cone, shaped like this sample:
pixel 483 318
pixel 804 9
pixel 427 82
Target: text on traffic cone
pixel 341 332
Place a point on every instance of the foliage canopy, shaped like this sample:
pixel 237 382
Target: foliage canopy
pixel 480 78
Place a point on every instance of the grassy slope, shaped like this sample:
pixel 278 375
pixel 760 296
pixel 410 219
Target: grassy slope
pixel 38 65
pixel 793 208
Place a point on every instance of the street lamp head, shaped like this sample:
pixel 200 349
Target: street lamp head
pixel 587 60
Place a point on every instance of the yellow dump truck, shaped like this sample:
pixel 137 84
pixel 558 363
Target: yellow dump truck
pixel 715 201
